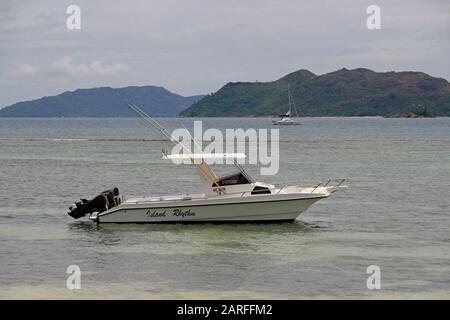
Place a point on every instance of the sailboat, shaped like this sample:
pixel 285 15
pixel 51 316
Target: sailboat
pixel 233 197
pixel 285 119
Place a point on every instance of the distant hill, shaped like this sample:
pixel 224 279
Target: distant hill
pixel 358 92
pixel 103 102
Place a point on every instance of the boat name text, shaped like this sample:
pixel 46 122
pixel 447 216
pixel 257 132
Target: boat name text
pixel 175 212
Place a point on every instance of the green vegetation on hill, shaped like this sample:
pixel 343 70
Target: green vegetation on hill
pixel 358 92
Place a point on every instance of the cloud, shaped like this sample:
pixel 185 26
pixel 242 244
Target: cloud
pixel 194 47
pixel 65 65
pixel 26 70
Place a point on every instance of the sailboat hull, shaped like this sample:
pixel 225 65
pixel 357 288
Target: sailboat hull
pixel 208 211
pixel 277 123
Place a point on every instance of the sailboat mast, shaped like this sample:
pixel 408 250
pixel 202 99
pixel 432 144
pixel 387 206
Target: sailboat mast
pixel 291 102
pixel 289 98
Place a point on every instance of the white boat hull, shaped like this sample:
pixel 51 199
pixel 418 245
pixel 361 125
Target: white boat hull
pixel 286 123
pixel 285 208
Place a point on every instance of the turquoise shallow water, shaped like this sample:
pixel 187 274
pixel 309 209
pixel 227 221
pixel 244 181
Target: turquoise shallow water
pixel 395 213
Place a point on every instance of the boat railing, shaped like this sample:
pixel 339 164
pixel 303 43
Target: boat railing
pixel 338 182
pixel 184 197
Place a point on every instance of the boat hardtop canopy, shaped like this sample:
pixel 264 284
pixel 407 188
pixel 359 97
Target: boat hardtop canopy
pixel 204 156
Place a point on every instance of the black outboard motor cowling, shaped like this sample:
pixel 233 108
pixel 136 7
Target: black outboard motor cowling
pixel 104 201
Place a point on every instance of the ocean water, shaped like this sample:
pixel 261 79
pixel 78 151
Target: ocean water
pixel 395 213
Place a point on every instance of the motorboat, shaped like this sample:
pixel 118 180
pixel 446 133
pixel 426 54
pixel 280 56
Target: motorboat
pixel 285 119
pixel 234 197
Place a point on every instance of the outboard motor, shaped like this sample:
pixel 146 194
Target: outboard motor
pixel 104 201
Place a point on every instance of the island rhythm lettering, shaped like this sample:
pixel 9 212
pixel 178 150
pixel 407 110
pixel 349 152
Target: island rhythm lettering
pixel 175 213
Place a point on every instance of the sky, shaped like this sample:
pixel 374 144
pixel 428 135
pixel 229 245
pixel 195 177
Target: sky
pixel 197 46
